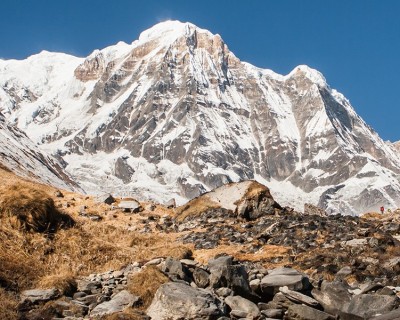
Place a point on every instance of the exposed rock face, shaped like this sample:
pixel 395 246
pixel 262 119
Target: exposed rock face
pixel 20 155
pixel 123 171
pixel 247 199
pixel 190 116
pixel 118 303
pixel 179 301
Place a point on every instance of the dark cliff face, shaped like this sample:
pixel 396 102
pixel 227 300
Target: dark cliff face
pixel 189 100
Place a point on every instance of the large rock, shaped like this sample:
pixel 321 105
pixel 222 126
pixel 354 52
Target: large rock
pixel 298 297
pixel 280 277
pixel 39 295
pixel 392 315
pixel 237 303
pixel 130 205
pixel 176 300
pixel 201 277
pixel 174 268
pixel 370 305
pixel 118 303
pixel 302 312
pixel 333 296
pixel 223 273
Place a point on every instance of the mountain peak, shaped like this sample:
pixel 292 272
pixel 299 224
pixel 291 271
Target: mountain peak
pixel 312 74
pixel 170 29
pixel 176 113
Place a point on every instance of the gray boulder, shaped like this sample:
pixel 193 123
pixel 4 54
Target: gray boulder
pixel 392 315
pixel 174 268
pixel 39 295
pixel 273 313
pixel 201 277
pixel 298 297
pixel 302 312
pixel 170 204
pixel 223 273
pixel 130 206
pixel 175 300
pixel 118 303
pixel 244 306
pixel 333 296
pixel 280 277
pixel 370 305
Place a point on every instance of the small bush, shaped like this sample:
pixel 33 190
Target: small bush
pixel 29 208
pixel 146 283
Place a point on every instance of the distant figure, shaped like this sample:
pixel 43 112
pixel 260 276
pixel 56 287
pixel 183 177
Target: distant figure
pixel 382 209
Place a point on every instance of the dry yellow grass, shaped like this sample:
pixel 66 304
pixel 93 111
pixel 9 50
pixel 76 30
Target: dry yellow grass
pixel 372 215
pixel 31 209
pixel 239 252
pixel 8 305
pixel 195 207
pixel 146 283
pixel 255 190
pixel 146 247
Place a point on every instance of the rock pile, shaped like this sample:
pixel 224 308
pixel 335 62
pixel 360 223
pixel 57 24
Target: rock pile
pixel 93 296
pixel 321 244
pixel 224 289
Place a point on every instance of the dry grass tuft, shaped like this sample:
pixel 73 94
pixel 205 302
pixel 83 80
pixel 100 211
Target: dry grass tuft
pixel 145 284
pixel 239 252
pixel 8 305
pixel 372 216
pixel 63 280
pixel 195 207
pixel 31 259
pixel 29 208
pixel 147 247
pixel 255 189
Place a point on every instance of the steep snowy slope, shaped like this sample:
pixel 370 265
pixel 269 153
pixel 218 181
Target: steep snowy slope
pixel 175 113
pixel 20 155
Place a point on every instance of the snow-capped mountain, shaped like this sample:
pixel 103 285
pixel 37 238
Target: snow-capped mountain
pixel 21 155
pixel 176 113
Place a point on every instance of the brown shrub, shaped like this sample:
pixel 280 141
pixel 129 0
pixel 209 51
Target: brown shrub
pixel 145 284
pixel 31 209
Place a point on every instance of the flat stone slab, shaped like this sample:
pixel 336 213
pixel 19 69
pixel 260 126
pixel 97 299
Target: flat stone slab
pixel 302 312
pixel 39 295
pixel 118 303
pixel 246 307
pixel 298 297
pixel 280 277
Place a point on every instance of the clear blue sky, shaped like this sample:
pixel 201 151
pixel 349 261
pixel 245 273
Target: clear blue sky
pixel 354 43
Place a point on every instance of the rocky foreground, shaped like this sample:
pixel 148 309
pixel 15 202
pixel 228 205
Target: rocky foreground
pixel 268 262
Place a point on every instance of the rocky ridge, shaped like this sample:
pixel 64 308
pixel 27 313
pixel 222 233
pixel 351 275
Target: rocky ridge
pixel 276 264
pixel 176 113
pixel 20 155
